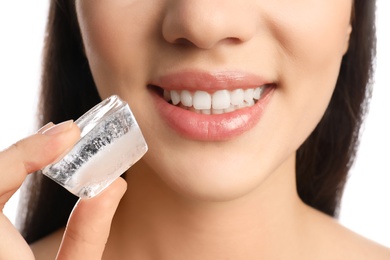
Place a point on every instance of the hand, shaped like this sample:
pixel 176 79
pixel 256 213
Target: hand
pixel 89 224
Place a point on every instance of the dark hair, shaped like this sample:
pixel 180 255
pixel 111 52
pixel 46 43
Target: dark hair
pixel 323 160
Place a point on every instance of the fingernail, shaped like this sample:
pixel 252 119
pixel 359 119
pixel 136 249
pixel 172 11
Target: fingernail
pixel 57 129
pixel 44 128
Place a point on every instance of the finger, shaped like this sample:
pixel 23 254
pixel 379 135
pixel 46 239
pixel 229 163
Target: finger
pixel 89 224
pixel 12 245
pixel 33 153
pixel 45 127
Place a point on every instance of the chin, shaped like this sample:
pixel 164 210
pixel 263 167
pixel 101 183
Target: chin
pixel 211 180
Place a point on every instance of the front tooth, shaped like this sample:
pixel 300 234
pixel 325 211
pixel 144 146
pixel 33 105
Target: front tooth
pixel 202 100
pixel 248 95
pixel 221 99
pixel 175 97
pixel 237 97
pixel 217 111
pixel 192 109
pixel 229 109
pixel 186 98
pixel 240 106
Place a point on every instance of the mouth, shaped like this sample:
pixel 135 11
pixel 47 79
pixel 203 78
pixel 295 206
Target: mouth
pixel 205 107
pixel 213 103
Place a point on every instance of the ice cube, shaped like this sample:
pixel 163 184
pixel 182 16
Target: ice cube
pixel 111 142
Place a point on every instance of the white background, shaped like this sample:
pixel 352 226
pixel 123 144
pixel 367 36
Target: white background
pixel 366 203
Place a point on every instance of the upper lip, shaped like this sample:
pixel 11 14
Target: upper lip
pixel 193 80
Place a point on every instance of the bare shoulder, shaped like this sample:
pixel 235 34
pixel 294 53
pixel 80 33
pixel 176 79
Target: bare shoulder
pixel 338 242
pixel 361 247
pixel 47 247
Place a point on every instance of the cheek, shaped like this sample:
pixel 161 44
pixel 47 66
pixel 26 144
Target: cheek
pixel 116 38
pixel 316 30
pixel 311 45
pixel 99 34
pixel 313 40
pixel 312 37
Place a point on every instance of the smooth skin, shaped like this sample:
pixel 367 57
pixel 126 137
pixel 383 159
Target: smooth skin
pixel 296 45
pixel 234 199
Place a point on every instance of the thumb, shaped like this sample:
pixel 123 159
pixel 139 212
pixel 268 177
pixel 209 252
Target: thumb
pixel 89 225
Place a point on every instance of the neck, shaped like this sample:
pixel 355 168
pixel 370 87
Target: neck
pixel 155 222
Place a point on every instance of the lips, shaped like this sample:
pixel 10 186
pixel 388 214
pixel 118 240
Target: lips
pixel 219 102
pixel 211 107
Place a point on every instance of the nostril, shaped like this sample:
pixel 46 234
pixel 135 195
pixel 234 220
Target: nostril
pixel 183 41
pixel 187 43
pixel 232 40
pixel 205 24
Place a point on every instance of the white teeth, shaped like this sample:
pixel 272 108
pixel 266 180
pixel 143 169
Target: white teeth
pixel 221 101
pixel 237 97
pixel 257 93
pixel 248 95
pixel 186 98
pixel 175 97
pixel 202 100
pixel 250 102
pixel 217 111
pixel 229 109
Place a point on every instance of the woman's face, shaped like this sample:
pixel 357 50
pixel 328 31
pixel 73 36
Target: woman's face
pixel 264 70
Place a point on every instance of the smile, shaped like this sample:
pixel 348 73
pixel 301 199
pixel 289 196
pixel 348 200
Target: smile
pixel 211 107
pixel 219 102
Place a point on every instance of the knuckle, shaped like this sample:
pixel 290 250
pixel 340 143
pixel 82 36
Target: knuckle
pixel 19 152
pixel 93 240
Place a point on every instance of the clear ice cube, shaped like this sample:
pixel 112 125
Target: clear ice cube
pixel 111 142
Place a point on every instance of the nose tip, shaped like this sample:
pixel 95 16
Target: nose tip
pixel 206 23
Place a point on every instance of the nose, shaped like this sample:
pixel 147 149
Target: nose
pixel 206 23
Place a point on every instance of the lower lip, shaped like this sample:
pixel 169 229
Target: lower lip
pixel 221 127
